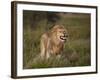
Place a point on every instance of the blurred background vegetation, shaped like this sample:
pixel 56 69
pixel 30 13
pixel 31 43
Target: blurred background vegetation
pixel 77 49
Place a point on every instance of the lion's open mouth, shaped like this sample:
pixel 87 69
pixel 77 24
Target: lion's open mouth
pixel 63 37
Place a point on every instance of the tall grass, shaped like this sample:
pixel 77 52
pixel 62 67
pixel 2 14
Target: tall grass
pixel 76 51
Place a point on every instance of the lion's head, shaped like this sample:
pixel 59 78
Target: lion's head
pixel 60 33
pixel 52 42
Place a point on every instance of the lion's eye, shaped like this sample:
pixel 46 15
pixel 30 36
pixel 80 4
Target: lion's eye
pixel 64 32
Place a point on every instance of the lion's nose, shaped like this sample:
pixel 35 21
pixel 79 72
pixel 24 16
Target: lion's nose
pixel 65 35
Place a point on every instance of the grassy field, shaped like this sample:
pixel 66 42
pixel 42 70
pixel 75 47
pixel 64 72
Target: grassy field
pixel 76 51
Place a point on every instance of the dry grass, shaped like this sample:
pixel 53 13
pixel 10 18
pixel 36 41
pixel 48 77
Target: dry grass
pixel 76 51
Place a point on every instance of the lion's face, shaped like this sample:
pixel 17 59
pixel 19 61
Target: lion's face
pixel 62 34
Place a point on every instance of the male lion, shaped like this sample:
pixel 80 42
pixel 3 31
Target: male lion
pixel 52 42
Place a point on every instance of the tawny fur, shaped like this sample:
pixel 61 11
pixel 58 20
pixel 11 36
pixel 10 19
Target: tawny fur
pixel 52 42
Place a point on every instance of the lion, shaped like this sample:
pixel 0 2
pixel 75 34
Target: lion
pixel 52 42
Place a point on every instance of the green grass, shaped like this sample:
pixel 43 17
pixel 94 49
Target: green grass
pixel 76 51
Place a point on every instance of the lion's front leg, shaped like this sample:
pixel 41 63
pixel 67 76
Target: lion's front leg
pixel 44 47
pixel 45 53
pixel 48 49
